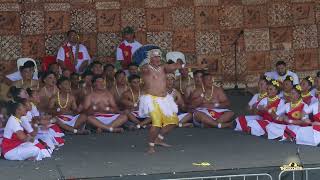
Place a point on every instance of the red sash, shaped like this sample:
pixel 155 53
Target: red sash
pixel 316 117
pixel 9 144
pixel 295 113
pixel 307 99
pixel 215 114
pixel 273 106
pixel 126 52
pixel 69 61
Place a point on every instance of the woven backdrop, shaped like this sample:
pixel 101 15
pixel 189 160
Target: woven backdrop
pixel 202 29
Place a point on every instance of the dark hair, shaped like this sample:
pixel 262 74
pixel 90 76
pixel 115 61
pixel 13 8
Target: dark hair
pixel 297 88
pixel 318 74
pixel 170 62
pixel 86 73
pixel 50 65
pixel 281 63
pixel 14 93
pixel 46 74
pixel 12 107
pixel 108 65
pixel 61 80
pixel 21 68
pixel 74 74
pixel 133 64
pixel 309 80
pixel 94 79
pixel 30 91
pixel 197 72
pixel 118 73
pixel 133 77
pixel 289 78
pixel 29 64
pixel 264 78
pixel 96 62
pixel 71 31
pixel 272 83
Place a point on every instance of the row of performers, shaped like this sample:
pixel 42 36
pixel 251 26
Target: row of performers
pixel 33 132
pixel 292 115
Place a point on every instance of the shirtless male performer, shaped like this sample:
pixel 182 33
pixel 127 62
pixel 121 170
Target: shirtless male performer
pixel 211 103
pixel 130 101
pixel 63 105
pixel 156 103
pixel 102 109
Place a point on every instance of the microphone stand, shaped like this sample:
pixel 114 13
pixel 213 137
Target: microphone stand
pixel 235 45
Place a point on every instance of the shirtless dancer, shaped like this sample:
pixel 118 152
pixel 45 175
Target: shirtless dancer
pixel 156 103
pixel 63 105
pixel 101 108
pixel 120 86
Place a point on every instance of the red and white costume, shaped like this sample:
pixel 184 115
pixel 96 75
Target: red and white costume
pixel 106 118
pixel 309 99
pixel 214 114
pixel 242 120
pixel 310 135
pixel 282 129
pixel 258 126
pixel 68 119
pixel 64 55
pixel 125 51
pixel 15 149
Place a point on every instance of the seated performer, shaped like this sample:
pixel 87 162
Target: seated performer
pixel 109 72
pixel 306 86
pixel 286 88
pixel 73 55
pixel 156 103
pixel 120 86
pixel 26 81
pixel 96 68
pixel 211 103
pixel 241 121
pixel 197 84
pixel 133 69
pixel 281 73
pixel 16 76
pixel 17 144
pixel 48 90
pixel 290 117
pixel 101 108
pixel 184 118
pixel 63 105
pixel 130 101
pixel 184 80
pixel 267 108
pixel 127 47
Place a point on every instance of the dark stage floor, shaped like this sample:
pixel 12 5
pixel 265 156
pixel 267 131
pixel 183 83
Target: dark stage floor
pixel 122 156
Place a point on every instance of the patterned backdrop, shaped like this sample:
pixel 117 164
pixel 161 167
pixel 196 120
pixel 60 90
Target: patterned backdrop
pixel 203 29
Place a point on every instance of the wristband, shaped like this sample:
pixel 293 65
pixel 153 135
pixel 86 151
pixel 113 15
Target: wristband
pixel 75 131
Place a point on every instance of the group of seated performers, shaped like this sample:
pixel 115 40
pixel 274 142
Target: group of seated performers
pixel 284 109
pixel 36 113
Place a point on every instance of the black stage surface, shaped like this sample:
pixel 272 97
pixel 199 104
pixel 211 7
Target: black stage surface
pixel 122 156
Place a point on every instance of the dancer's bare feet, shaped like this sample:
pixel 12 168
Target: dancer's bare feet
pixel 161 143
pixel 151 150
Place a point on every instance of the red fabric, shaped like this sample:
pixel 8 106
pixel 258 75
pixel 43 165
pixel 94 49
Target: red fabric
pixel 296 109
pixel 273 105
pixel 104 115
pixel 316 127
pixel 127 54
pixel 59 140
pixel 56 128
pixel 307 100
pixel 288 133
pixel 263 124
pixel 316 117
pixel 40 146
pixel 244 124
pixel 46 61
pixel 64 118
pixel 215 114
pixel 9 144
pixel 67 60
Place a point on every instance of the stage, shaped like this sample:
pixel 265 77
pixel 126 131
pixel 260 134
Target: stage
pixel 122 156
